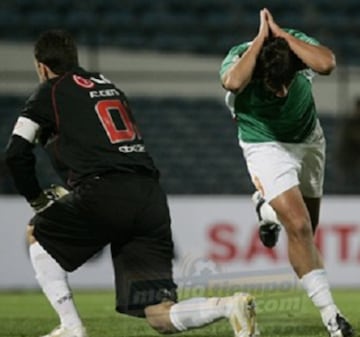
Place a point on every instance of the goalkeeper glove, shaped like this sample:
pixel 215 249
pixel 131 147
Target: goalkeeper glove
pixel 47 198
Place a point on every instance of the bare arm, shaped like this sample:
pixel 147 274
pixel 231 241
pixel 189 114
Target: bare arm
pixel 319 58
pixel 239 74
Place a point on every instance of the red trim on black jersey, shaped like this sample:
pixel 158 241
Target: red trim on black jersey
pixel 57 118
pixel 53 100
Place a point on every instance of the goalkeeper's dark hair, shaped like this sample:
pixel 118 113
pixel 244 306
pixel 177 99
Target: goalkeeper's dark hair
pixel 277 64
pixel 56 49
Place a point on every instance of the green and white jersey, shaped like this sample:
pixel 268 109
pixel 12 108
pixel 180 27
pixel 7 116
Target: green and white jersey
pixel 261 116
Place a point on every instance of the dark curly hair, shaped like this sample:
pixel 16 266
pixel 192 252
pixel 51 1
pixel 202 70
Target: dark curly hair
pixel 276 64
pixel 56 49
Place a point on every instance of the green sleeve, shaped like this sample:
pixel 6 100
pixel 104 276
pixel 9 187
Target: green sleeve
pixel 302 36
pixel 232 56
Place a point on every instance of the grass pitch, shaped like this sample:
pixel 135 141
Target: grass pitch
pixel 290 314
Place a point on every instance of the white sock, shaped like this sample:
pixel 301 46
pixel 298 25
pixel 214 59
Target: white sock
pixel 199 311
pixel 53 281
pixel 317 287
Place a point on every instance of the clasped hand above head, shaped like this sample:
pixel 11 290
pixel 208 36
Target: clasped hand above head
pixel 269 26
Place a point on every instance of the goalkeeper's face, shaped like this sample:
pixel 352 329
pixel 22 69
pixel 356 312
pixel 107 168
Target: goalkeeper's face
pixel 43 71
pixel 40 71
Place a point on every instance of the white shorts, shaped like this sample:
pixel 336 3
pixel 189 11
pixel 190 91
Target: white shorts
pixel 280 166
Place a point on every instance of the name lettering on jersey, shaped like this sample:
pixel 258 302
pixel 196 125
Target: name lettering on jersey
pixel 104 93
pixel 132 148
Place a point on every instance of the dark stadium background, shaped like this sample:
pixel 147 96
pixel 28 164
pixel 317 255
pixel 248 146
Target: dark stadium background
pixel 165 54
pixel 191 137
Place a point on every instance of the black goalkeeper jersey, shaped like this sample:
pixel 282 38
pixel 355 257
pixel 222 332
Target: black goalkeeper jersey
pixel 87 127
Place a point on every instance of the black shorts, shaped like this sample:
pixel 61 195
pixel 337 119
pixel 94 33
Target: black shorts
pixel 130 213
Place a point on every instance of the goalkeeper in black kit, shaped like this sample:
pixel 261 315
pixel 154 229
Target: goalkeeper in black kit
pixel 86 125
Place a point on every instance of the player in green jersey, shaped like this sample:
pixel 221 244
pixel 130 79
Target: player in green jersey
pixel 270 95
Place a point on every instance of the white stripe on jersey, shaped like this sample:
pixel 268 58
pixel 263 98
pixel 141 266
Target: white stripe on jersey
pixel 26 128
pixel 230 102
pixel 308 73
